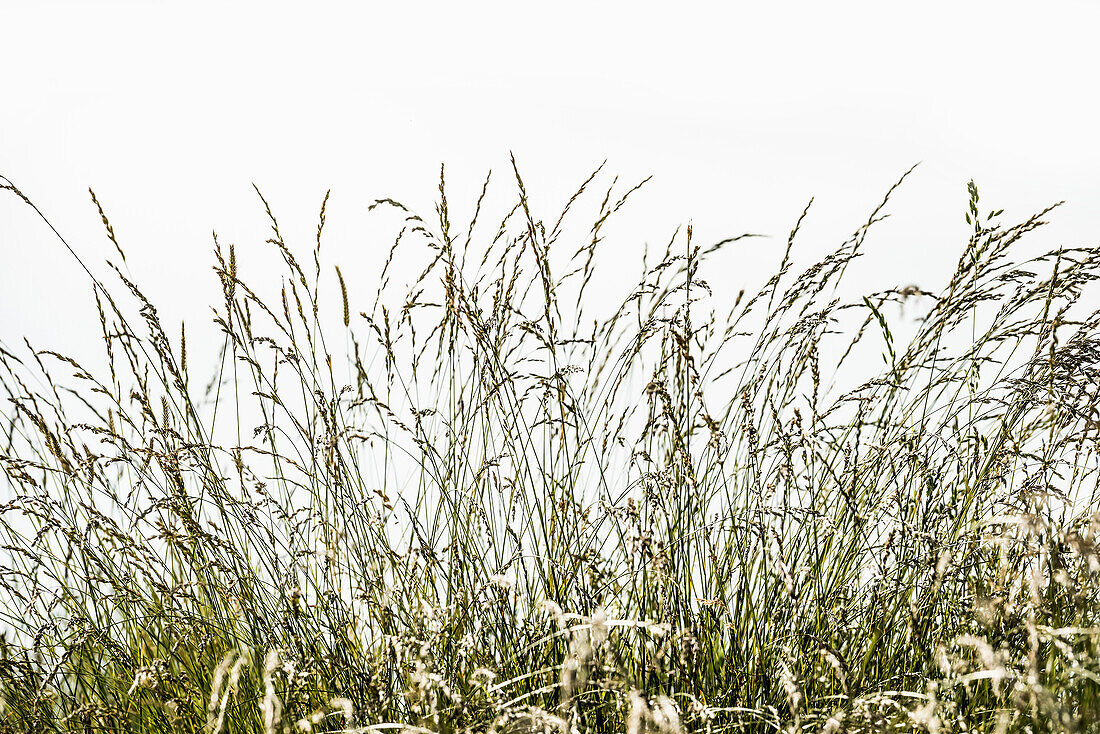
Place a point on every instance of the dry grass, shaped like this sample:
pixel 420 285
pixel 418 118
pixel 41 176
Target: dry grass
pixel 513 515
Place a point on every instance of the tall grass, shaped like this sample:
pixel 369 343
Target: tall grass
pixel 476 505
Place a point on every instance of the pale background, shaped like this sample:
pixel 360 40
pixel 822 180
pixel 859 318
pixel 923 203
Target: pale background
pixel 742 112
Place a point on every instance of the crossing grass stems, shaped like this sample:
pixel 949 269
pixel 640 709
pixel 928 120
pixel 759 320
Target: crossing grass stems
pixel 474 505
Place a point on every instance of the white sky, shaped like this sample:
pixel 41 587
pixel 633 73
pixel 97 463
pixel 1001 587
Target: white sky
pixel 741 114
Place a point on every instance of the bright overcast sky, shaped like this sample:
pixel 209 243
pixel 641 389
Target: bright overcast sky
pixel 171 111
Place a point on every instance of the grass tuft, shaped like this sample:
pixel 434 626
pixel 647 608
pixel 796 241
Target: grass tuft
pixel 504 506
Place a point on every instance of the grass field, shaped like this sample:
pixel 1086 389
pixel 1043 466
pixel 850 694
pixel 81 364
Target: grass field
pixel 488 502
